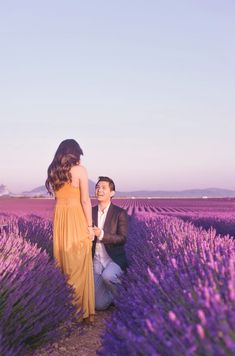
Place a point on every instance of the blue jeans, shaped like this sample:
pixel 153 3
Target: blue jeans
pixel 106 280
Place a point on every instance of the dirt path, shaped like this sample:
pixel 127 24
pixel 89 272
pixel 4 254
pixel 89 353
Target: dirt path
pixel 83 341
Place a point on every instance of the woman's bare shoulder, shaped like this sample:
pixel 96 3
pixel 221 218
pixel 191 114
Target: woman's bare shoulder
pixel 79 170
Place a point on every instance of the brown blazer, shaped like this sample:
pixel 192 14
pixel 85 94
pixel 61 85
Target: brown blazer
pixel 115 233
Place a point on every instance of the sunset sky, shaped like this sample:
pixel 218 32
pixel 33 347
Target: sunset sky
pixel 146 87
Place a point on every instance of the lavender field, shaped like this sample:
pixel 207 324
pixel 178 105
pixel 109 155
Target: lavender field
pixel 177 298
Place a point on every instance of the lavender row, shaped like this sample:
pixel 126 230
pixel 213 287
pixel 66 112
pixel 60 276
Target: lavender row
pixel 34 295
pixel 223 223
pixel 178 296
pixel 33 228
pixel 158 205
pixel 216 213
pixel 38 231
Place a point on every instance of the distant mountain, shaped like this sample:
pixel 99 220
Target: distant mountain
pixel 42 191
pixel 36 192
pixel 4 191
pixel 190 193
pixel 91 187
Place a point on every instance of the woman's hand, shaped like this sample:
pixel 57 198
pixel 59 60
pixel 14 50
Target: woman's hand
pixel 91 233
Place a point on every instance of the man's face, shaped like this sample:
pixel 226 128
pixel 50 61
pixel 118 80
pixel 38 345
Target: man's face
pixel 103 192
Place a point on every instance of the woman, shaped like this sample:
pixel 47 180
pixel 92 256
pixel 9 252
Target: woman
pixel 72 223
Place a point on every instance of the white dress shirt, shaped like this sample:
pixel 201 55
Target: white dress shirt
pixel 101 255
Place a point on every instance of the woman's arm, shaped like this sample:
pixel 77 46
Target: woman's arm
pixel 80 179
pixel 85 199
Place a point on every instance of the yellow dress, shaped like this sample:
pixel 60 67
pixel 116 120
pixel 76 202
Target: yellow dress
pixel 72 247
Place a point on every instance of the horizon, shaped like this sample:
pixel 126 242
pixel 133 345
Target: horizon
pixel 146 88
pixel 132 191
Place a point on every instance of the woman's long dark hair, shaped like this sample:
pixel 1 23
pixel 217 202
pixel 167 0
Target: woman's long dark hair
pixel 67 155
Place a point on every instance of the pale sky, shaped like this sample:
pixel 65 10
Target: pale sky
pixel 146 87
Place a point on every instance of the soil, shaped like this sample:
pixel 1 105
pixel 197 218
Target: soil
pixel 84 340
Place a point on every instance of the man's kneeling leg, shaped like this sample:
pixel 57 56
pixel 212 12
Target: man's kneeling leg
pixel 103 296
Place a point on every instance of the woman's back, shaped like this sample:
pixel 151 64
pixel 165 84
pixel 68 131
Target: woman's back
pixel 68 193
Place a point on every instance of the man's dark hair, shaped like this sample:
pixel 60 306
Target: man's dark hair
pixel 107 179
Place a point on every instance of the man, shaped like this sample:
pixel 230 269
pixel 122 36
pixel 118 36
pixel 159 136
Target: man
pixel 110 228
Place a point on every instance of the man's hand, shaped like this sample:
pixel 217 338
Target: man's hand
pixel 97 231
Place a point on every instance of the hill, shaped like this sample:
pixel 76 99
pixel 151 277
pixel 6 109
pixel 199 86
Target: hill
pixel 4 191
pixel 190 193
pixel 42 192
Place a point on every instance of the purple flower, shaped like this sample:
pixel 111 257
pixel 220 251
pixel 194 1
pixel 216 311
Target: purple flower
pixel 35 297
